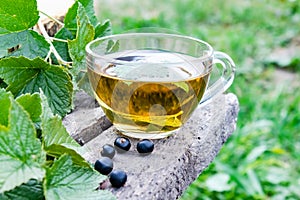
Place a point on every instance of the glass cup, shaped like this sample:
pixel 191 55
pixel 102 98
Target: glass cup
pixel 149 84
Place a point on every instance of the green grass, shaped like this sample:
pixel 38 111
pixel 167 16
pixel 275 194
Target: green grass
pixel 261 160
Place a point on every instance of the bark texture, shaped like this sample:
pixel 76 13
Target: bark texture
pixel 175 162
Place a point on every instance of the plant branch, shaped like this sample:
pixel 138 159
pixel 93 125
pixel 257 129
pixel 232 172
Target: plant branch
pixel 57 39
pixel 52 18
pixel 52 48
pixel 48 56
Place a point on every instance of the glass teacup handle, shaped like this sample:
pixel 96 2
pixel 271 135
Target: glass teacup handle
pixel 225 79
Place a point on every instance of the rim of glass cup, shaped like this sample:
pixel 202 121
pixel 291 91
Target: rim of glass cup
pixel 89 50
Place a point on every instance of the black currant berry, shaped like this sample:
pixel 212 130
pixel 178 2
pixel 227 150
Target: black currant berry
pixel 122 144
pixel 108 151
pixel 104 165
pixel 145 146
pixel 117 178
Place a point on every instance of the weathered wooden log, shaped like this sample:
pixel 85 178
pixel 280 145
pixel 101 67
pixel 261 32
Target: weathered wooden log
pixel 175 162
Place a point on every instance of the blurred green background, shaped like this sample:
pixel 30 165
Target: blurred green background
pixel 261 160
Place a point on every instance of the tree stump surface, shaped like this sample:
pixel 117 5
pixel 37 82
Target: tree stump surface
pixel 175 162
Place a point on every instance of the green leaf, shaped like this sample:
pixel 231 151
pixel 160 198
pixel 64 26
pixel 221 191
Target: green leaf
pixel 32 190
pixel 64 180
pixel 18 15
pixel 85 34
pixel 46 110
pixel 70 29
pixel 32 104
pixel 20 151
pixel 25 43
pixel 70 20
pixel 27 76
pixel 62 47
pixel 55 133
pixel 5 106
pixel 90 11
pixel 57 140
pixel 85 85
pixel 103 29
pixel 56 150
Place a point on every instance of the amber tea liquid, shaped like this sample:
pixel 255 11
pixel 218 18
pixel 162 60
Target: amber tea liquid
pixel 148 91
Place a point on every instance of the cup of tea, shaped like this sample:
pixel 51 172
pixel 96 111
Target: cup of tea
pixel 149 84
